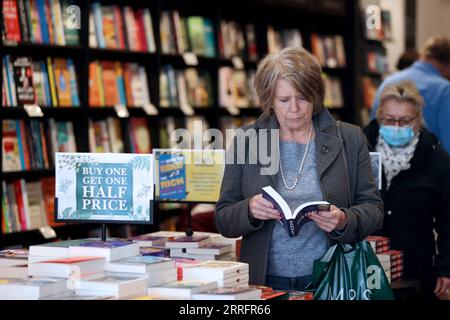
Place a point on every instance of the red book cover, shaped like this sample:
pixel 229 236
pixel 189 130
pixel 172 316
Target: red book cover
pixel 11 20
pixel 20 205
pixel 48 192
pixel 44 146
pixel 139 18
pixel 109 83
pixel 119 28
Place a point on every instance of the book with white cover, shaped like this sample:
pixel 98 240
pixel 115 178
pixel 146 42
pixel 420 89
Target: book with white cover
pixel 232 293
pixel 203 257
pixel 111 250
pixel 159 278
pixel 13 257
pixel 211 249
pixel 182 288
pixel 118 285
pixel 58 249
pixel 215 270
pixel 241 280
pixel 140 264
pixel 194 241
pixel 31 289
pixel 20 272
pixel 67 267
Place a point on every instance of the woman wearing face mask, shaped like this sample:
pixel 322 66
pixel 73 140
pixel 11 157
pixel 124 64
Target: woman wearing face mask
pixel 416 187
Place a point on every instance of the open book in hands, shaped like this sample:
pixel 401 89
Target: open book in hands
pixel 293 221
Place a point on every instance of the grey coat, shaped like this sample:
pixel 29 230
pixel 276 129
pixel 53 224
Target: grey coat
pixel 243 181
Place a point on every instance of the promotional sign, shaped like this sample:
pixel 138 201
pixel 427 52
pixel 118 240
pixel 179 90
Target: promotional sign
pixel 188 175
pixel 104 187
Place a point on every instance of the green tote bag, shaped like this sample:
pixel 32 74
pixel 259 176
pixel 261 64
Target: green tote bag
pixel 350 272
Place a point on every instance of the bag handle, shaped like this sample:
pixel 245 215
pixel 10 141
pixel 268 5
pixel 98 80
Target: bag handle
pixel 343 152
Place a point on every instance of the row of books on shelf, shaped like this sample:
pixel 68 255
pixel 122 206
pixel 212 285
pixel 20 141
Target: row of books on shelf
pixel 28 145
pixel 106 135
pixel 181 34
pixel 376 62
pixel 39 21
pixel 113 27
pixel 112 83
pixel 329 49
pixel 49 82
pixel 334 96
pixel 278 39
pixel 237 41
pixel 54 83
pixel 391 260
pixel 369 90
pixel 179 88
pixel 27 205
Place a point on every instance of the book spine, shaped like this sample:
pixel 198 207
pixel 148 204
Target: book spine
pixel 24 27
pixel 14 213
pixel 26 207
pixel 73 83
pixel 35 22
pixel 51 79
pixel 121 43
pixel 9 71
pixel 26 147
pixel 149 30
pixel 120 84
pixel 58 23
pixel 20 205
pixel 11 20
pixel 98 24
pixel 19 142
pixel 45 85
pixel 42 20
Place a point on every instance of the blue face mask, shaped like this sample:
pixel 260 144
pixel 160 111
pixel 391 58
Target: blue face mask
pixel 397 136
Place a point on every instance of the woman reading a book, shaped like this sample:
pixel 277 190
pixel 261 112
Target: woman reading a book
pixel 316 159
pixel 416 188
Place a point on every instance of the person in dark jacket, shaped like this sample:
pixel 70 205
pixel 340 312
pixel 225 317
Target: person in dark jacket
pixel 307 162
pixel 416 188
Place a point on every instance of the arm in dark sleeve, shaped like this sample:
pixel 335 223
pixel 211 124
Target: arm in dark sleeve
pixel 366 214
pixel 443 229
pixel 232 217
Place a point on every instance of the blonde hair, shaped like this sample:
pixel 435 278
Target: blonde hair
pixel 295 65
pixel 404 91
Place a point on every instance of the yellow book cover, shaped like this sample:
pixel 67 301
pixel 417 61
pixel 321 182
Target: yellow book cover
pixel 51 79
pixel 62 81
pixel 188 175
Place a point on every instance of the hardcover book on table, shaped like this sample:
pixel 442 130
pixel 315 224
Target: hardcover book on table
pixel 188 242
pixel 215 270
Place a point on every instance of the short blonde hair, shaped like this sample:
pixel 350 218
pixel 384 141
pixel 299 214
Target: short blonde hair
pixel 404 91
pixel 295 65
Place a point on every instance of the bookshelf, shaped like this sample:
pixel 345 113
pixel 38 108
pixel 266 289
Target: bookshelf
pixel 371 63
pixel 324 17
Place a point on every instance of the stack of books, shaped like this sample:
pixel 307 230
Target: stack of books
pixel 159 270
pixel 33 289
pixel 184 288
pixel 207 252
pixel 225 273
pixel 14 263
pixel 391 260
pixel 150 240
